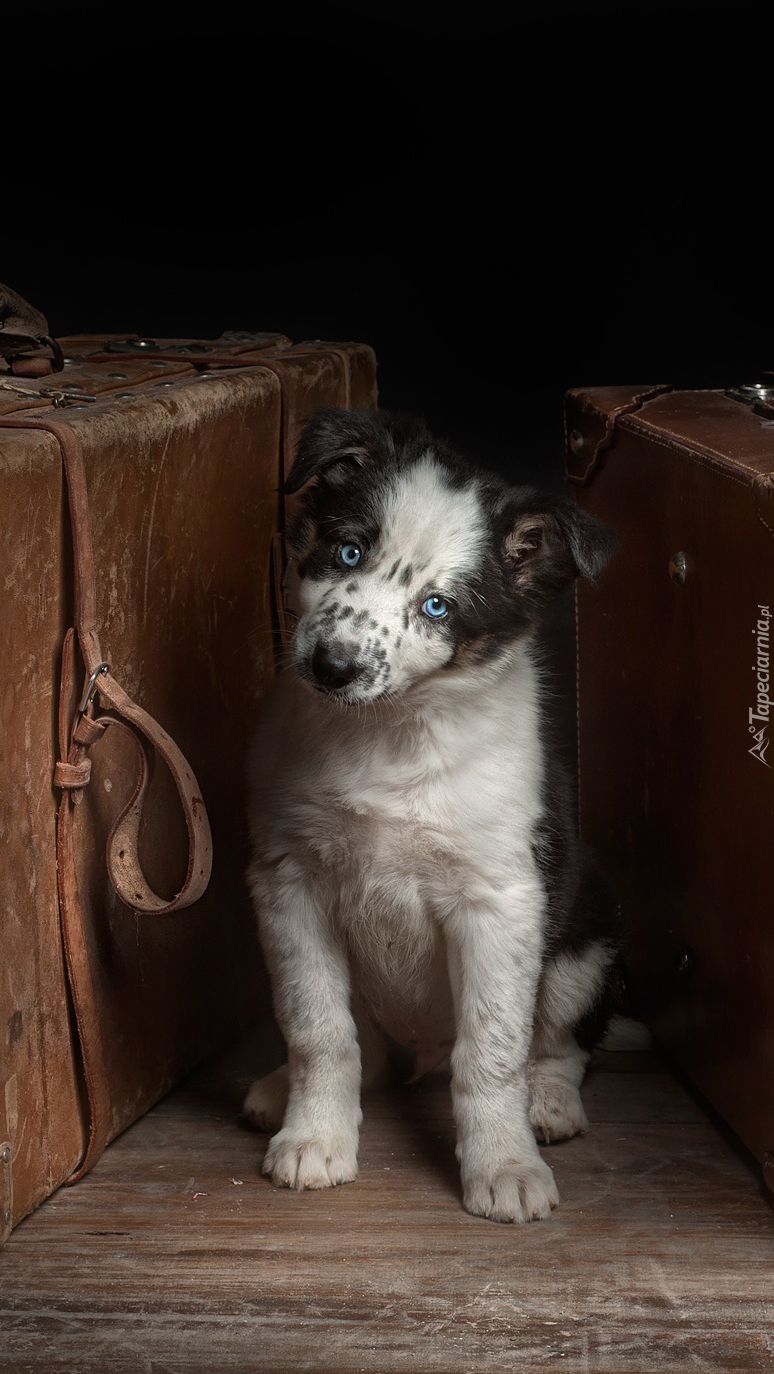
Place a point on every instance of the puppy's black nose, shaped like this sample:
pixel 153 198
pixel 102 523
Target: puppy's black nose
pixel 334 666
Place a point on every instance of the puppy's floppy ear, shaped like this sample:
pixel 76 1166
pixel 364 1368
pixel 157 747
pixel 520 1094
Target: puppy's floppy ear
pixel 331 442
pixel 549 543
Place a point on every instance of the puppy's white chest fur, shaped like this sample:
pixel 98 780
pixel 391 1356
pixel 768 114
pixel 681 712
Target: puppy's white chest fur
pixel 403 818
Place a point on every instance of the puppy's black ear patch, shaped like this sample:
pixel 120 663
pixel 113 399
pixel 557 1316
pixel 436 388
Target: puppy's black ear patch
pixel 550 542
pixel 591 543
pixel 331 443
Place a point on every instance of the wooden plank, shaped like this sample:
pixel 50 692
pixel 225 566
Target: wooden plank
pixel 176 1255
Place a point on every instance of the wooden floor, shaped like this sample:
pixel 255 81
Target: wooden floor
pixel 176 1255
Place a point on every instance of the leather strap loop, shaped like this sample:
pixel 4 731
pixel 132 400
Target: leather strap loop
pixel 73 774
pixel 123 849
pixel 87 731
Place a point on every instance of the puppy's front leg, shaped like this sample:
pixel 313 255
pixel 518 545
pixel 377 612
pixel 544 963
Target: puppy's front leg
pixel 494 963
pixel 317 1144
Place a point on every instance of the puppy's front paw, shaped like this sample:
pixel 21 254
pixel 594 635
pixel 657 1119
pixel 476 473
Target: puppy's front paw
pixel 556 1112
pixel 264 1106
pixel 515 1192
pixel 297 1161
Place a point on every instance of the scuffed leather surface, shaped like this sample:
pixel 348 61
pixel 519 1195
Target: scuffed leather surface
pixel 183 494
pixel 671 801
pixel 183 498
pixel 38 1074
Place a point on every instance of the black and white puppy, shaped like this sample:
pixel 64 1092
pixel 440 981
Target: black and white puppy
pixel 415 869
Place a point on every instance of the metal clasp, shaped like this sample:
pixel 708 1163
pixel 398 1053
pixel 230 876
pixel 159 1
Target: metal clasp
pixel 66 398
pixel 91 686
pixel 57 395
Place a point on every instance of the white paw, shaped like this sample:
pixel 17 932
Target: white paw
pixel 515 1193
pixel 267 1099
pixel 556 1112
pixel 294 1160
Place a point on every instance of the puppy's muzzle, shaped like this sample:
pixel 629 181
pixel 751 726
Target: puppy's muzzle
pixel 335 666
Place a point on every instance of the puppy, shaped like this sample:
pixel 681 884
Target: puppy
pixel 415 870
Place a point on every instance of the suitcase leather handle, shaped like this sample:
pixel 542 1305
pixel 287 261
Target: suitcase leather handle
pixel 612 417
pixel 72 774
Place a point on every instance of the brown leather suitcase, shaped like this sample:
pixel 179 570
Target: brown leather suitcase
pixel 115 979
pixel 676 736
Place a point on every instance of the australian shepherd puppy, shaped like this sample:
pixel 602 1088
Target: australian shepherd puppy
pixel 416 873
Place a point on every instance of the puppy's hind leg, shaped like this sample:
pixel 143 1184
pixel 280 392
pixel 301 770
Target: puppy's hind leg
pixel 266 1102
pixel 374 1046
pixel 556 1111
pixel 264 1106
pixel 572 986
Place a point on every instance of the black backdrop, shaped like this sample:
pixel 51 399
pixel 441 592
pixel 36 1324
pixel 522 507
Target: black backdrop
pixel 504 199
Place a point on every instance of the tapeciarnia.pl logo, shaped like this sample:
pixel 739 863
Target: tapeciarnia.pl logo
pixel 758 717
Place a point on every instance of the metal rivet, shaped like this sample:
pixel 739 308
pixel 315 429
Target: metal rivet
pixel 678 568
pixel 75 386
pixel 758 391
pixel 119 376
pixel 7 1217
pixel 577 441
pixel 6 1155
pixel 685 962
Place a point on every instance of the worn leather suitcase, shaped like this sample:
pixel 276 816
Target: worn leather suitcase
pixel 676 760
pixel 117 977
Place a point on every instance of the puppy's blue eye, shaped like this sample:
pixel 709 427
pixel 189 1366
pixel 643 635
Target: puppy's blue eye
pixel 435 607
pixel 350 555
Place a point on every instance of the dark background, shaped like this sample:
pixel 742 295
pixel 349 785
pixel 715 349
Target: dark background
pixel 504 200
